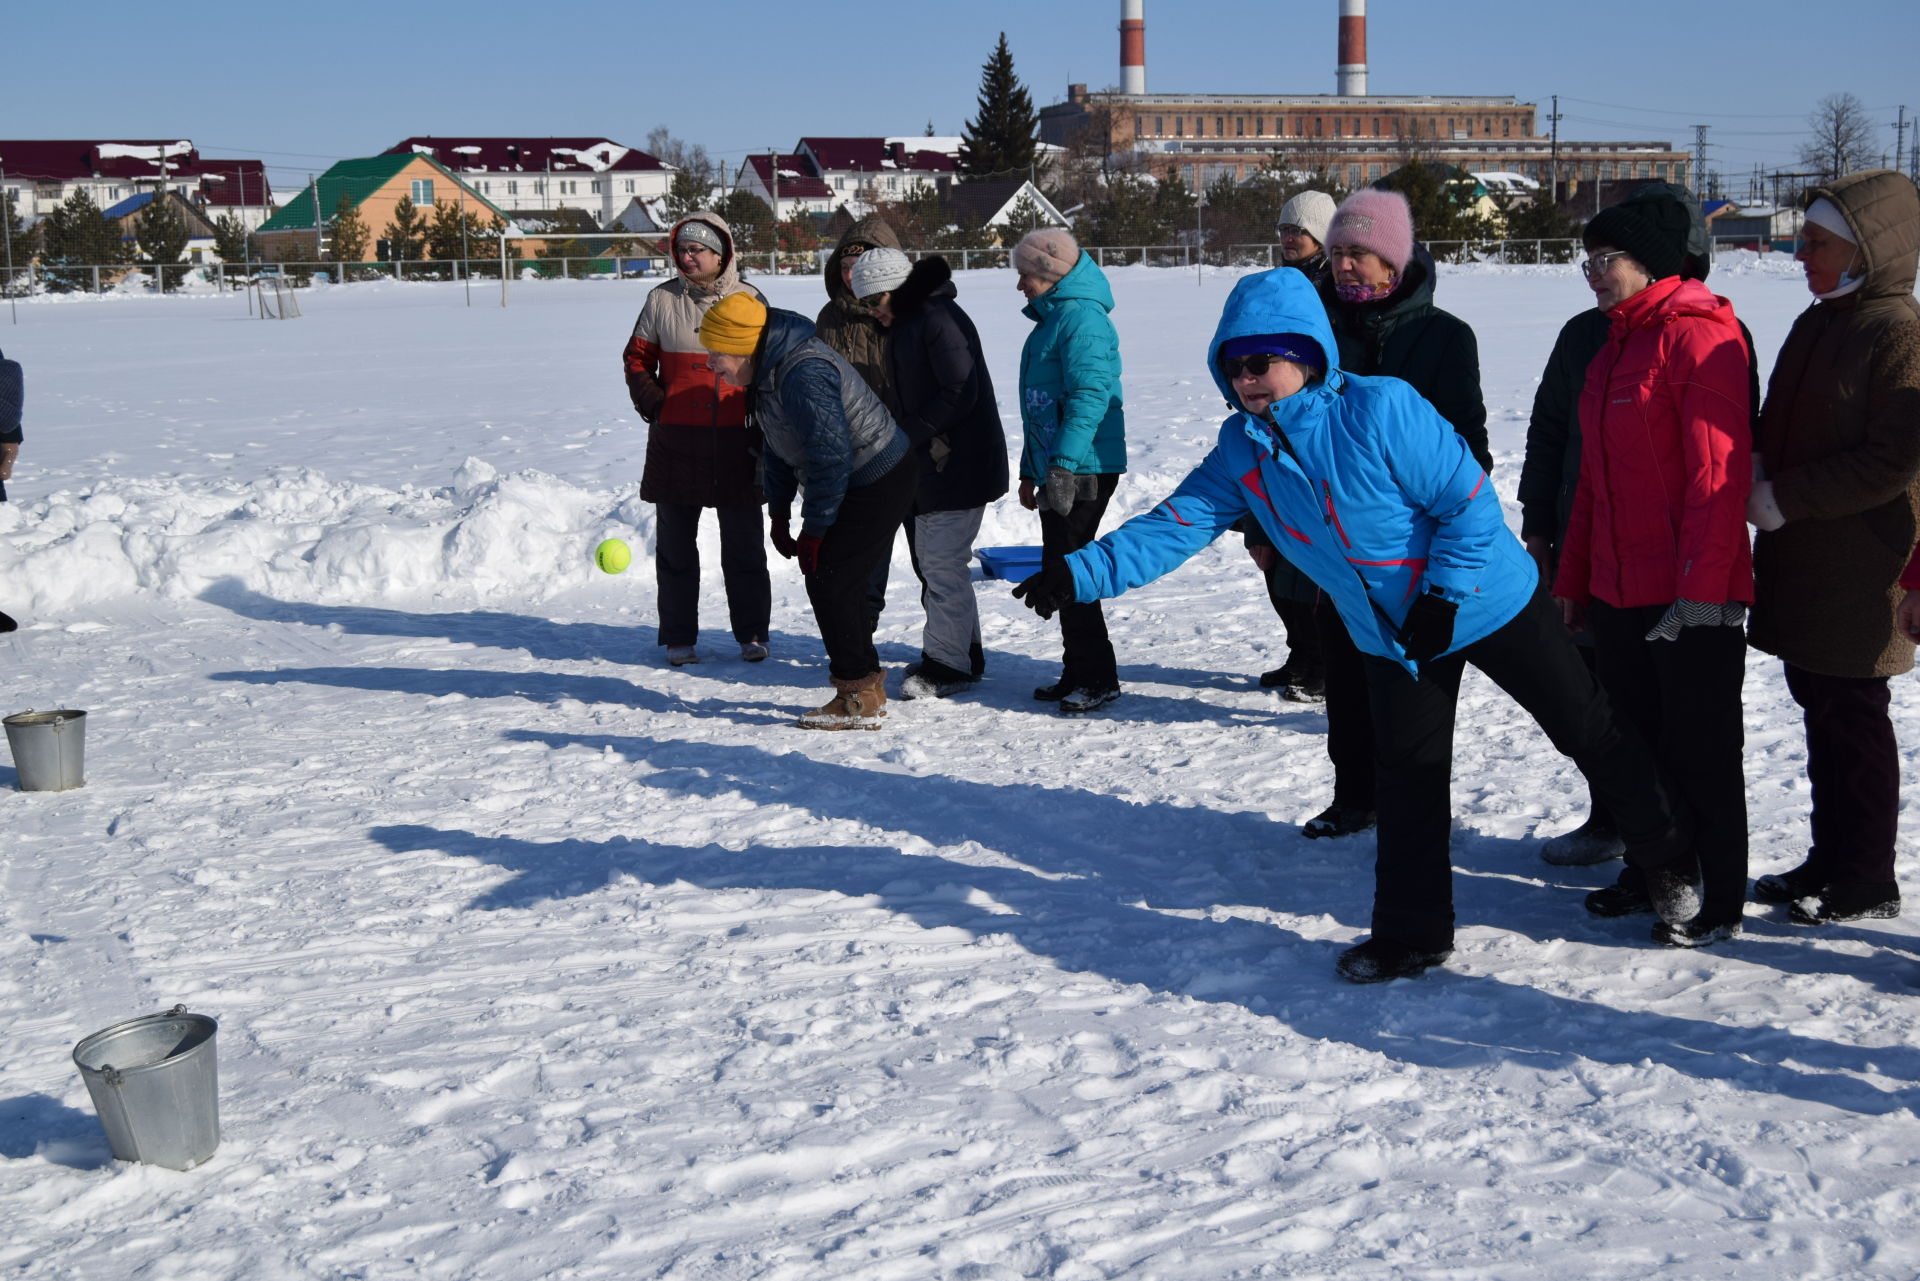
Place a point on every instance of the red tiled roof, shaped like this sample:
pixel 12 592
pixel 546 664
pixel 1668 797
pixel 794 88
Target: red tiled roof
pixel 234 182
pixel 797 177
pixel 870 155
pixel 529 155
pixel 65 160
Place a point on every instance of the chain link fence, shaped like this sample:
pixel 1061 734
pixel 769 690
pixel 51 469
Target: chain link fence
pixel 37 278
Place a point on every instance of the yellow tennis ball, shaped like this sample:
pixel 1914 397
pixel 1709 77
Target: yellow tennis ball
pixel 613 556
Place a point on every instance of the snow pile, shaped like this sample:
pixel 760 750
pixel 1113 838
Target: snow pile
pixel 297 535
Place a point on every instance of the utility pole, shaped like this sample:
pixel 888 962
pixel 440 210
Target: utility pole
pixel 6 234
pixel 313 194
pixel 773 180
pixel 1899 137
pixel 1699 159
pixel 1554 122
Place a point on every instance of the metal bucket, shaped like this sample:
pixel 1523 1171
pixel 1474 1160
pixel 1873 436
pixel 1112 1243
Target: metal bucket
pixel 49 749
pixel 156 1087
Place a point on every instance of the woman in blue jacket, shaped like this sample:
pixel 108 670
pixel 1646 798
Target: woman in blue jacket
pixel 1075 438
pixel 1375 497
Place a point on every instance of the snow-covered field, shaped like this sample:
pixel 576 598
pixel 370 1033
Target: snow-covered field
pixel 534 958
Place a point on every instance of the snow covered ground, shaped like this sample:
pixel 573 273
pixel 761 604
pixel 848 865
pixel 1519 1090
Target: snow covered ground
pixel 534 958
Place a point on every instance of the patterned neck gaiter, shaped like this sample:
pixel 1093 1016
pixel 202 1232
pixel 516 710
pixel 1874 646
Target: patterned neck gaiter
pixel 1365 293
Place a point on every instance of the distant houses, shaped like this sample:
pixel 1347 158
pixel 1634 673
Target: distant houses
pixel 373 187
pixel 44 173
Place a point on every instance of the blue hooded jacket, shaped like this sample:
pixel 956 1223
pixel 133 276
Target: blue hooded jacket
pixel 1377 499
pixel 1070 404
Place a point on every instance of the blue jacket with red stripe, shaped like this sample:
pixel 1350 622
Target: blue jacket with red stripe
pixel 1357 480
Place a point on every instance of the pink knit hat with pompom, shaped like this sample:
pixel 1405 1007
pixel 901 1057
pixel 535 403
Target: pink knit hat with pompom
pixel 1377 220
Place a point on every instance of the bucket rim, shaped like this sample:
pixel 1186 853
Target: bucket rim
pixel 182 1015
pixel 51 717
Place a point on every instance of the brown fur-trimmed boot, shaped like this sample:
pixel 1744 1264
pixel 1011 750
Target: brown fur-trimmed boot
pixel 856 704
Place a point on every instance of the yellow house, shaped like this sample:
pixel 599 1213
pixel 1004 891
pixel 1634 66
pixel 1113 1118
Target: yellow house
pixel 373 186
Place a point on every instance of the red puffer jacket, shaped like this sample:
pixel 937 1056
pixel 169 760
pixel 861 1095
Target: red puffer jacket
pixel 1666 416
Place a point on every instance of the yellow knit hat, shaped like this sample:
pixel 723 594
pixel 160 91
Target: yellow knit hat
pixel 732 326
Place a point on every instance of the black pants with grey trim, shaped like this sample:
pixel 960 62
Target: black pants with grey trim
pixel 1853 762
pixel 1532 658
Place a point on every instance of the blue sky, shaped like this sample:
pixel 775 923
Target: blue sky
pixel 302 86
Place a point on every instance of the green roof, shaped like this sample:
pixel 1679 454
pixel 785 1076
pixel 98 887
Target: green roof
pixel 356 180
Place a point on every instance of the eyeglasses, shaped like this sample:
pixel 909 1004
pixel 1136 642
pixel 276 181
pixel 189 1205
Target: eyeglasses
pixel 1257 364
pixel 1595 267
pixel 1288 229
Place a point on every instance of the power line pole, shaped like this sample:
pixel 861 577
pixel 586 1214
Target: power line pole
pixel 1553 122
pixel 1699 159
pixel 1899 137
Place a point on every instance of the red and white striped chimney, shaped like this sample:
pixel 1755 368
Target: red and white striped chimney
pixel 1133 47
pixel 1350 75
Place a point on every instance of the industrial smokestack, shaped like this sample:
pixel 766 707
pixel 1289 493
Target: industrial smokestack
pixel 1350 75
pixel 1133 47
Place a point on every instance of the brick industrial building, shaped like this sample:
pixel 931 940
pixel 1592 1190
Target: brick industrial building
pixel 1355 135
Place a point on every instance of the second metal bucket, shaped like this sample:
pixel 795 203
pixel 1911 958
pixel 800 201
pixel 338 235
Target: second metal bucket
pixel 156 1086
pixel 49 749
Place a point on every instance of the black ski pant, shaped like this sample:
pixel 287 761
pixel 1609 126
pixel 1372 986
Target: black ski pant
pixel 1533 660
pixel 743 565
pixel 1350 745
pixel 1853 763
pixel 861 533
pixel 1682 697
pixel 1087 657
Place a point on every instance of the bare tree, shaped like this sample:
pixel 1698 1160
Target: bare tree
pixel 688 157
pixel 1841 135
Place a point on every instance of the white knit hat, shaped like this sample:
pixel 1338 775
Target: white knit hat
pixel 879 271
pixel 1310 211
pixel 1824 213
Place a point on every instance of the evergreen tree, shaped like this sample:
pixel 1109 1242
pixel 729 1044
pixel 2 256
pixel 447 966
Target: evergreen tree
pixel 21 241
pixel 406 234
pixel 230 238
pixel 1535 217
pixel 1122 213
pixel 751 220
pixel 998 142
pixel 75 234
pixel 690 190
pixel 456 232
pixel 1025 216
pixel 1442 198
pixel 161 233
pixel 350 235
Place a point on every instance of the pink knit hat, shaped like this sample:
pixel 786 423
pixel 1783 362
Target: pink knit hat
pixel 1377 220
pixel 1046 252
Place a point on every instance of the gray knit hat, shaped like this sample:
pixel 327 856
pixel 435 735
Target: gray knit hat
pixel 696 232
pixel 1047 252
pixel 1310 211
pixel 878 271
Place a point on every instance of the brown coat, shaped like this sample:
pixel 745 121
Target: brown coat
pixel 849 328
pixel 1840 434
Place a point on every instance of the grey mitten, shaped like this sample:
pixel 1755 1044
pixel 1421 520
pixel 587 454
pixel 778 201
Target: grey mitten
pixel 1061 489
pixel 1694 613
pixel 940 449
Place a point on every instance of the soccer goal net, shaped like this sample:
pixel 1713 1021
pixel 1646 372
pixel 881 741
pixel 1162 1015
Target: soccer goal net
pixel 276 299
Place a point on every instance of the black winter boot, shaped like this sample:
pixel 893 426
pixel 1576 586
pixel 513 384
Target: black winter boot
pixel 1848 901
pixel 1377 960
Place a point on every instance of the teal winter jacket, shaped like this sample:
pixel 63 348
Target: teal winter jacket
pixel 1363 486
pixel 1070 406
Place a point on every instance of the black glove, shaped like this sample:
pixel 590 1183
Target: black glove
pixel 1047 590
pixel 1428 631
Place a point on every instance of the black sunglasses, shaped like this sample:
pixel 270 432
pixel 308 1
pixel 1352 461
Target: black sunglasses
pixel 1257 364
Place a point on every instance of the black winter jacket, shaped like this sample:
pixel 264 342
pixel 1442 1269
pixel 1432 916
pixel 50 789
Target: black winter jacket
pixel 12 402
pixel 1551 471
pixel 1405 336
pixel 945 394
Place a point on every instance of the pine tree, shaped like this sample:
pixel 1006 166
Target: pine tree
pixel 22 241
pixel 689 191
pixel 75 234
pixel 230 238
pixel 406 234
pixel 162 236
pixel 998 142
pixel 751 220
pixel 348 242
pixel 1025 216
